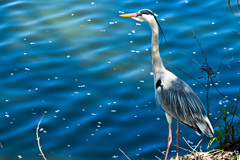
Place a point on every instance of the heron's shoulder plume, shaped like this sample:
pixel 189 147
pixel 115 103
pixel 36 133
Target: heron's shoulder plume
pixel 162 34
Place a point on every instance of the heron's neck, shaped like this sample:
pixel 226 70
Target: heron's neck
pixel 157 63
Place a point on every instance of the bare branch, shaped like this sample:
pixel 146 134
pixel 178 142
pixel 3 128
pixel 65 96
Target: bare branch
pixel 159 150
pixel 1 145
pixel 235 108
pixel 199 142
pixel 188 143
pixel 38 139
pixel 185 73
pixel 219 91
pixel 124 154
pixel 181 148
pixel 236 32
pixel 229 4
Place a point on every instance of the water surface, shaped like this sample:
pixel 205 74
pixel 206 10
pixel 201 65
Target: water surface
pixel 88 71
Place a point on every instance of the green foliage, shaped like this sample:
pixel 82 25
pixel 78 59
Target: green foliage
pixel 225 130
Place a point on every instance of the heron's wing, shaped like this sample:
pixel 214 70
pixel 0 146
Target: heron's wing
pixel 179 101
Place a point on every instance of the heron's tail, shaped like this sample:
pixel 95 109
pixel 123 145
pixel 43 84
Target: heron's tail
pixel 205 126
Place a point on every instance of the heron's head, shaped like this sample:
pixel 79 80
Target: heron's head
pixel 144 15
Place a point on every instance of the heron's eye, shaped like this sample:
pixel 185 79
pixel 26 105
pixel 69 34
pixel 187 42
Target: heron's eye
pixel 159 83
pixel 139 14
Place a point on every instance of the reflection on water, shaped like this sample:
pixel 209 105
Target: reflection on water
pixel 88 70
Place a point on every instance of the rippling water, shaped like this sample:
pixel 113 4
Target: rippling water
pixel 88 71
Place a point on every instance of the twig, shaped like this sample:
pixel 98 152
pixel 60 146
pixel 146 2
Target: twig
pixel 159 150
pixel 157 157
pixel 1 145
pixel 236 32
pixel 235 107
pixel 219 91
pixel 188 143
pixel 182 148
pixel 185 73
pixel 207 69
pixel 229 4
pixel 124 154
pixel 199 142
pixel 38 139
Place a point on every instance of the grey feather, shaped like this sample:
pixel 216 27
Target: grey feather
pixel 179 101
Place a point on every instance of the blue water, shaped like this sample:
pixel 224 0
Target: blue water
pixel 88 71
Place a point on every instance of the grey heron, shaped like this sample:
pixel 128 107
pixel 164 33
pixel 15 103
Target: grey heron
pixel 175 97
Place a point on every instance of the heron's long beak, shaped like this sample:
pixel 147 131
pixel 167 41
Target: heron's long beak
pixel 129 15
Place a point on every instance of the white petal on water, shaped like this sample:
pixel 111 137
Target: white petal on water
pixel 189 142
pixel 114 156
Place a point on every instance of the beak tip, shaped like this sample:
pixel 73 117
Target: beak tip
pixel 128 15
pixel 123 15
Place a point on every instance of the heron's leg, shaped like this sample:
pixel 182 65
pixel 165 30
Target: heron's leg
pixel 169 119
pixel 178 135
